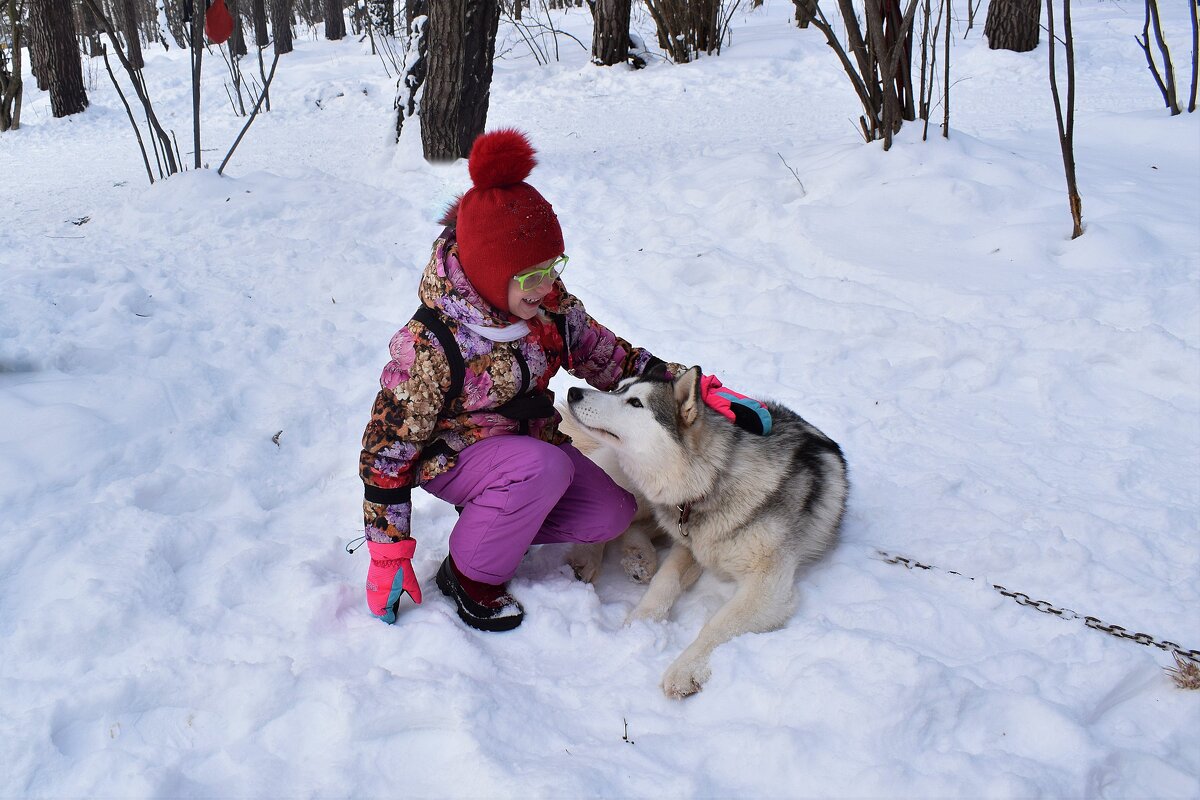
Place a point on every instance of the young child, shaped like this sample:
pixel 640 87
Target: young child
pixel 465 410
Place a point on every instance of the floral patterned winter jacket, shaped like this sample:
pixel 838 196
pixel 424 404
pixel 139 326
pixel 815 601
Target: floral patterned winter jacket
pixel 412 438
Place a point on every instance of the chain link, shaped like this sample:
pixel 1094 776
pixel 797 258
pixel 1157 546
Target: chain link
pixel 1049 608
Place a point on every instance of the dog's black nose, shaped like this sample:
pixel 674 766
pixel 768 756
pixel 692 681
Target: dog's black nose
pixel 574 394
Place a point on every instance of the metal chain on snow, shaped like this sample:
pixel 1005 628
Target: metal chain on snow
pixel 1049 608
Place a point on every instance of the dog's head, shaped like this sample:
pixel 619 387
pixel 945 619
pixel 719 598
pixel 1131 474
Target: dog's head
pixel 645 414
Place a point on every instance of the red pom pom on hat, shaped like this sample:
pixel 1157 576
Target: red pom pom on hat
pixel 501 158
pixel 504 226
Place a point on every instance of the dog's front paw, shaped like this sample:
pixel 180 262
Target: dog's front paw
pixel 644 612
pixel 685 677
pixel 639 563
pixel 585 561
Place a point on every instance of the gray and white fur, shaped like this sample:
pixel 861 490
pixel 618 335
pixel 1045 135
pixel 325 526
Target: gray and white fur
pixel 752 508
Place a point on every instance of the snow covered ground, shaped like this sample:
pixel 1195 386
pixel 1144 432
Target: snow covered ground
pixel 178 616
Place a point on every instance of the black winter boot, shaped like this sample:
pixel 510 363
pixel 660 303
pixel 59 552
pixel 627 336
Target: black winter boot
pixel 483 606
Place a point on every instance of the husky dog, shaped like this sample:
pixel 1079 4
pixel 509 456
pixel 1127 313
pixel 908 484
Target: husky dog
pixel 750 507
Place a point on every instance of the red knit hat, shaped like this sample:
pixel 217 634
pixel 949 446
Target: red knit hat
pixel 504 226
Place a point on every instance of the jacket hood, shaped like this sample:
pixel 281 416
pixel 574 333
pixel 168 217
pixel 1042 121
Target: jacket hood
pixel 444 287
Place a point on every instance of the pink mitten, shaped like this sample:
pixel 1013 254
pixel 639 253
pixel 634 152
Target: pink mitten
pixel 745 412
pixel 389 576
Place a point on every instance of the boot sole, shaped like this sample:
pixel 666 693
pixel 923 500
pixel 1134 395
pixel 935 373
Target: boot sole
pixel 491 624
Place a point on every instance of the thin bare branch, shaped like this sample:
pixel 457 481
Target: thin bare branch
pixel 261 97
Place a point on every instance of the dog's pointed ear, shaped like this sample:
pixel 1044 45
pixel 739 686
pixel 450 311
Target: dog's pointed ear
pixel 687 396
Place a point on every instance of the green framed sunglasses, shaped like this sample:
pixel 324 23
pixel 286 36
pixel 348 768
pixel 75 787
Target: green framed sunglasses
pixel 536 277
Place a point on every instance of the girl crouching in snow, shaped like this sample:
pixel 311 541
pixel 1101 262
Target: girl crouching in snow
pixel 465 410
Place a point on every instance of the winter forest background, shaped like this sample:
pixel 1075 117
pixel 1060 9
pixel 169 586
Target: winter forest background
pixel 978 272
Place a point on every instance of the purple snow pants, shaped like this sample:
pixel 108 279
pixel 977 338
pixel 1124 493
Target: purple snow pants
pixel 516 491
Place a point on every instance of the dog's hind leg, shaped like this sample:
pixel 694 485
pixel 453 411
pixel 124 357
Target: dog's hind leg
pixel 762 602
pixel 679 570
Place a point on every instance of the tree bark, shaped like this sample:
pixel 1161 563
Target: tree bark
pixel 173 10
pixel 416 65
pixel 37 47
pixel 11 89
pixel 1066 124
pixel 805 11
pixel 53 26
pixel 444 80
pixel 237 40
pixel 383 16
pixel 197 31
pixel 686 28
pixel 10 73
pixel 1013 25
pixel 482 21
pixel 610 32
pixel 462 44
pixel 133 33
pixel 258 12
pixel 281 25
pixel 91 31
pixel 335 23
pixel 1195 57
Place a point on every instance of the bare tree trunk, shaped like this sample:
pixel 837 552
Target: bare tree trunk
pixel 149 22
pixel 37 46
pixel 923 104
pixel 686 28
pixel 91 31
pixel 890 43
pixel 133 33
pixel 382 14
pixel 881 72
pixel 10 74
pixel 610 32
pixel 1066 127
pixel 53 25
pixel 174 13
pixel 972 7
pixel 462 42
pixel 160 139
pixel 1195 55
pixel 281 25
pixel 444 81
pixel 805 11
pixel 416 65
pixel 262 37
pixel 1166 79
pixel 946 78
pixel 482 21
pixel 237 40
pixel 335 23
pixel 197 31
pixel 1013 24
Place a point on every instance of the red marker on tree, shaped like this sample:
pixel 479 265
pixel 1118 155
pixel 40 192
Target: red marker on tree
pixel 218 23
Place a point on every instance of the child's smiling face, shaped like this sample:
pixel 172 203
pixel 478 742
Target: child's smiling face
pixel 524 303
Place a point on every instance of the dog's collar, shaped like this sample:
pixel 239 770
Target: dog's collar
pixel 685 513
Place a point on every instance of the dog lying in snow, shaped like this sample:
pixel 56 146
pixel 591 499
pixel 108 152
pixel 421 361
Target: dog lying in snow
pixel 751 507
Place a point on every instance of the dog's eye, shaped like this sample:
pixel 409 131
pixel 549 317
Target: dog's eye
pixel 633 401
